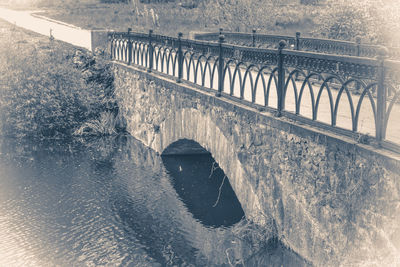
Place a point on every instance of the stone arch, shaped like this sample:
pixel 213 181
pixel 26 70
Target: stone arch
pixel 192 124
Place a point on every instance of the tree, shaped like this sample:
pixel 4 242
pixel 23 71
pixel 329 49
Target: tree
pixel 375 21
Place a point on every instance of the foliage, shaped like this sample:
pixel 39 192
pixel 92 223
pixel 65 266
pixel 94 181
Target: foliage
pixel 50 88
pixel 106 124
pixel 245 15
pixel 344 20
pixel 98 79
pixel 375 21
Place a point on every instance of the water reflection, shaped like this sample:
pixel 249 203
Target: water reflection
pixel 109 202
pixel 204 189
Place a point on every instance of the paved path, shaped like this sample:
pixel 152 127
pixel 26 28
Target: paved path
pixel 60 31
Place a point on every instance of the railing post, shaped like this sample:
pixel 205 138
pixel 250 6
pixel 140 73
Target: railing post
pixel 253 37
pixel 358 46
pixel 381 97
pixel 180 58
pixel 129 47
pixel 297 44
pixel 297 47
pixel 150 53
pixel 51 37
pixel 111 38
pixel 281 79
pixel 358 52
pixel 221 65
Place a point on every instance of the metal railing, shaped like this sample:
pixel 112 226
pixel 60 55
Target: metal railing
pixel 300 43
pixel 355 96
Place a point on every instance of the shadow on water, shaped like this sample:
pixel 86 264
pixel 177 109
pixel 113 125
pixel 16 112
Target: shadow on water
pixel 204 188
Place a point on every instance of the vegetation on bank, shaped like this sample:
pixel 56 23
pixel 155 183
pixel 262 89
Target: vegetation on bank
pixel 375 21
pixel 52 90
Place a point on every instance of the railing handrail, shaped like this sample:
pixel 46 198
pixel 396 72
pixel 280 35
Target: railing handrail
pixel 372 75
pixel 312 54
pixel 339 60
pixel 357 47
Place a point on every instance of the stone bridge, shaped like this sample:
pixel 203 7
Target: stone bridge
pixel 331 199
pixel 309 141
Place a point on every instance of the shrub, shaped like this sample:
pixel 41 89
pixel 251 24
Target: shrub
pixel 98 79
pixel 343 20
pixel 40 97
pixel 106 124
pixel 375 21
pixel 265 16
pixel 50 89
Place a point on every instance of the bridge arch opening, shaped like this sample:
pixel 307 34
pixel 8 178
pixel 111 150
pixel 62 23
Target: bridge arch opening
pixel 201 184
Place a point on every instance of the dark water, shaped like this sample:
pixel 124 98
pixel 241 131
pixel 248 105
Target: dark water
pixel 208 195
pixel 114 202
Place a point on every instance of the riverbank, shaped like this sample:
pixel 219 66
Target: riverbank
pixel 52 89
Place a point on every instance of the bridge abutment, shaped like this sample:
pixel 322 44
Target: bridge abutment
pixel 331 199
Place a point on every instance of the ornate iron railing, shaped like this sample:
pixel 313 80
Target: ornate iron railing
pixel 300 43
pixel 354 96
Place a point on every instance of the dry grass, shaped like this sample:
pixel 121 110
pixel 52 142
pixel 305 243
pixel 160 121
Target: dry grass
pixel 171 18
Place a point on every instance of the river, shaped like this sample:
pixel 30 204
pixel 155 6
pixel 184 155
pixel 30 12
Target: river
pixel 114 202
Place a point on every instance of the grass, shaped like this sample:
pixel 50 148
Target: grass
pixel 172 18
pixel 106 124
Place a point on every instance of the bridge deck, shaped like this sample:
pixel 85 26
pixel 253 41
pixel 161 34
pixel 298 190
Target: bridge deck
pixel 344 118
pixel 366 122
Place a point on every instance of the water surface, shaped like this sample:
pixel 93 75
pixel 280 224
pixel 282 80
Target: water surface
pixel 115 202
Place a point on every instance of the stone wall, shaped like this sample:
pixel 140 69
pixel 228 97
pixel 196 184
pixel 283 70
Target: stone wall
pixel 332 200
